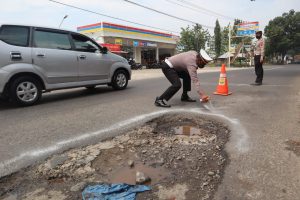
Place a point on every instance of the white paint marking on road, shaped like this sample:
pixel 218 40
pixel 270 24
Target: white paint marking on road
pixel 239 135
pixel 208 106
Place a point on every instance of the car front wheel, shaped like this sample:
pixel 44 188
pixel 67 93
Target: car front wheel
pixel 120 80
pixel 25 91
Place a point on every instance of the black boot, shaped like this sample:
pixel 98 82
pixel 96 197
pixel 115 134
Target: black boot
pixel 186 98
pixel 160 103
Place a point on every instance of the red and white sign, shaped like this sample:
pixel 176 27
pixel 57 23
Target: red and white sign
pixel 112 47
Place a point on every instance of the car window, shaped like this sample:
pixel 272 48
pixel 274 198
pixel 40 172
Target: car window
pixel 84 44
pixel 51 40
pixel 15 35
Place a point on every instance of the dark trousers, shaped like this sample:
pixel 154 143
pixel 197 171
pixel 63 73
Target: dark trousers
pixel 259 71
pixel 174 77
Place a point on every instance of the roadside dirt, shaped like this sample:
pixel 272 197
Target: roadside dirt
pixel 183 155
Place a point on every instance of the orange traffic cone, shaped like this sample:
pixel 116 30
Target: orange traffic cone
pixel 222 88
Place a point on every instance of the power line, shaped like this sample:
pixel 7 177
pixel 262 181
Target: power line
pixel 173 2
pixel 194 9
pixel 163 13
pixel 128 21
pixel 207 10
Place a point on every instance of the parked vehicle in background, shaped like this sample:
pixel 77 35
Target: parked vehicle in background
pixel 34 60
pixel 134 65
pixel 154 64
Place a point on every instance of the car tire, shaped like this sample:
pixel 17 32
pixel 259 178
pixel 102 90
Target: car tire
pixel 120 80
pixel 5 95
pixel 25 91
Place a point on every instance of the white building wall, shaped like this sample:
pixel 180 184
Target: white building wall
pixel 137 52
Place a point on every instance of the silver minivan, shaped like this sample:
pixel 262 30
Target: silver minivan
pixel 34 60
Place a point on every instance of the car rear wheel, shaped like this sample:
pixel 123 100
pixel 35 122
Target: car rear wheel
pixel 120 80
pixel 25 91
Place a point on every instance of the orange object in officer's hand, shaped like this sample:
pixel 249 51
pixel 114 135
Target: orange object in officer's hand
pixel 205 99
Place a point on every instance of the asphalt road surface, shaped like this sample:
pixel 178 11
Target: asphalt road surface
pixel 263 118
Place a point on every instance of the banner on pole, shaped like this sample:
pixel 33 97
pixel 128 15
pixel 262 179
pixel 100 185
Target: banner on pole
pixel 247 28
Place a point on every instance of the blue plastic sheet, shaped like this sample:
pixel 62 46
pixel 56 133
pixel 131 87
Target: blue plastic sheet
pixel 113 191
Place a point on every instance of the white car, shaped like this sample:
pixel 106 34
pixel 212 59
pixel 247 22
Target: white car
pixel 34 60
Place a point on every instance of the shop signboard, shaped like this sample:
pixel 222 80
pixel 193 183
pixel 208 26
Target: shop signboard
pixel 112 47
pixel 151 44
pixel 135 43
pixel 247 28
pixel 143 44
pixel 119 41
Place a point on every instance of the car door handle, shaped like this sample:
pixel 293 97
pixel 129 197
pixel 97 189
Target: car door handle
pixel 82 57
pixel 14 55
pixel 40 55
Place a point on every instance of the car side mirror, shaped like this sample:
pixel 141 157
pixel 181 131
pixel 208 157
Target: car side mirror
pixel 104 50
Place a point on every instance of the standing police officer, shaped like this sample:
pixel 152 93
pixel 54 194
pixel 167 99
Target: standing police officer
pixel 184 66
pixel 259 53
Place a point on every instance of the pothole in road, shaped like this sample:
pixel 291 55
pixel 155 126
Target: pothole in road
pixel 182 155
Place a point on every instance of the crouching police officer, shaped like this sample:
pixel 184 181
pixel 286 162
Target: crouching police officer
pixel 184 66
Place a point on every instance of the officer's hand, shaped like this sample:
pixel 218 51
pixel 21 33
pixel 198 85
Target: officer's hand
pixel 204 98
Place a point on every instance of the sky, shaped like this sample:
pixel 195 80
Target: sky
pixel 50 14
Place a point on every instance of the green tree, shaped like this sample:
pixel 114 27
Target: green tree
pixel 283 34
pixel 218 40
pixel 193 38
pixel 224 40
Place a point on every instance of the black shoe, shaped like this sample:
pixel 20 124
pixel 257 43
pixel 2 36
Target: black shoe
pixel 160 103
pixel 256 84
pixel 187 99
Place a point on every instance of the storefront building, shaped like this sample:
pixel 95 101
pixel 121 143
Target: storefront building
pixel 145 46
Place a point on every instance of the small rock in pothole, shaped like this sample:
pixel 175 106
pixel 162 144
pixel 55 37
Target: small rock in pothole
pixel 211 173
pixel 205 183
pixel 130 163
pixel 141 178
pixel 144 151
